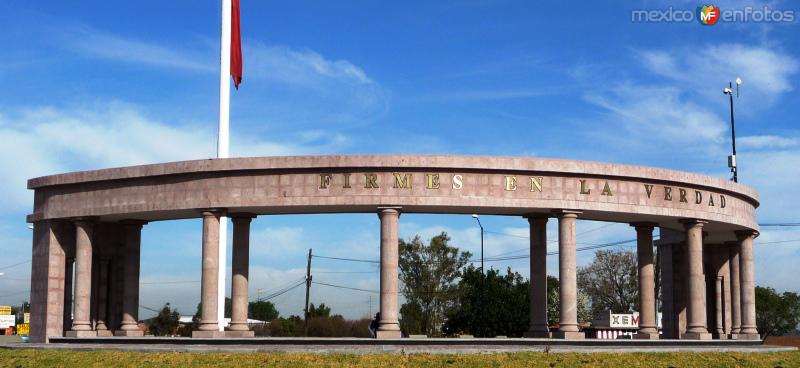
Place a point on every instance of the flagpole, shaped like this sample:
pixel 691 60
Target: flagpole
pixel 223 146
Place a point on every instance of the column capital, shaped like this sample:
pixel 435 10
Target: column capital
pixel 644 225
pixel 690 223
pixel 388 210
pixel 209 212
pixel 744 234
pixel 566 213
pixel 85 220
pixel 241 216
pixel 133 222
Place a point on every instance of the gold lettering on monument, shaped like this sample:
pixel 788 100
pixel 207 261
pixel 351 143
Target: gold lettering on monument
pixel 433 181
pixel 402 182
pixel 649 189
pixel 606 191
pixel 536 183
pixel 584 189
pixel 371 181
pixel 458 181
pixel 346 181
pixel 511 183
pixel 324 180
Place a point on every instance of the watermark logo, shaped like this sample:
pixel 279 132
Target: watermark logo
pixel 708 15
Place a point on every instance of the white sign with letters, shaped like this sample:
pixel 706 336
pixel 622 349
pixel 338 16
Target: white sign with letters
pixel 7 320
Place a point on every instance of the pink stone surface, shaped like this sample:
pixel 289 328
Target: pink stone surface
pixel 278 185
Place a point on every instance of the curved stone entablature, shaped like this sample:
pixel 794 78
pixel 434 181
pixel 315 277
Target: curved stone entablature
pixel 418 184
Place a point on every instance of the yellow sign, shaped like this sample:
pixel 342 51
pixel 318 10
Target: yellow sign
pixel 26 318
pixel 5 310
pixel 23 329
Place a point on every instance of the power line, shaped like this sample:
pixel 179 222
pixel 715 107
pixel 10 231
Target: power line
pixel 14 265
pixel 281 292
pixel 779 241
pixel 345 287
pixel 348 259
pixel 782 224
pixel 170 282
pixel 329 272
pixel 17 293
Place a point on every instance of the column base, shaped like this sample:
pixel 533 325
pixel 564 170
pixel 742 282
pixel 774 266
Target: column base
pixel 239 334
pixel 721 336
pixel 388 334
pixel 746 336
pixel 569 335
pixel 208 334
pixel 80 333
pixel 646 336
pixel 696 336
pixel 129 333
pixel 104 333
pixel 537 334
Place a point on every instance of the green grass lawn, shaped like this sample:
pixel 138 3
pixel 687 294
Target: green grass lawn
pixel 55 358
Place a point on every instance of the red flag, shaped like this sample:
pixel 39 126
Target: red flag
pixel 236 45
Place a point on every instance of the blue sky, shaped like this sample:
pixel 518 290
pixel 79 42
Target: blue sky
pixel 101 84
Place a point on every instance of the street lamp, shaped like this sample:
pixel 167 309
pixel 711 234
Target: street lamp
pixel 475 216
pixel 732 158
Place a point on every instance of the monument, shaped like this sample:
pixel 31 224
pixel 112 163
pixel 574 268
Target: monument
pixel 92 221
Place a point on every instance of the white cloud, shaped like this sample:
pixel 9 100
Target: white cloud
pixel 659 114
pixel 96 43
pixel 766 72
pixel 304 67
pixel 278 242
pixel 768 141
pixel 47 140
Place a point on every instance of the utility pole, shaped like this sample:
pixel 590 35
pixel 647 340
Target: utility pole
pixel 308 290
pixel 370 306
pixel 732 158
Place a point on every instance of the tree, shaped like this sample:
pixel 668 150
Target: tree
pixel 165 323
pixel 554 307
pixel 428 273
pixel 262 310
pixel 320 311
pixel 611 282
pixel 489 305
pixel 776 314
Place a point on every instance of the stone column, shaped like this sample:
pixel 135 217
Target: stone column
pixel 538 283
pixel 747 285
pixel 719 329
pixel 50 238
pixel 239 281
pixel 568 282
pixel 68 293
pixel 130 292
pixel 648 328
pixel 736 306
pixel 209 326
pixel 81 324
pixel 102 299
pixel 389 324
pixel 669 322
pixel 696 311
